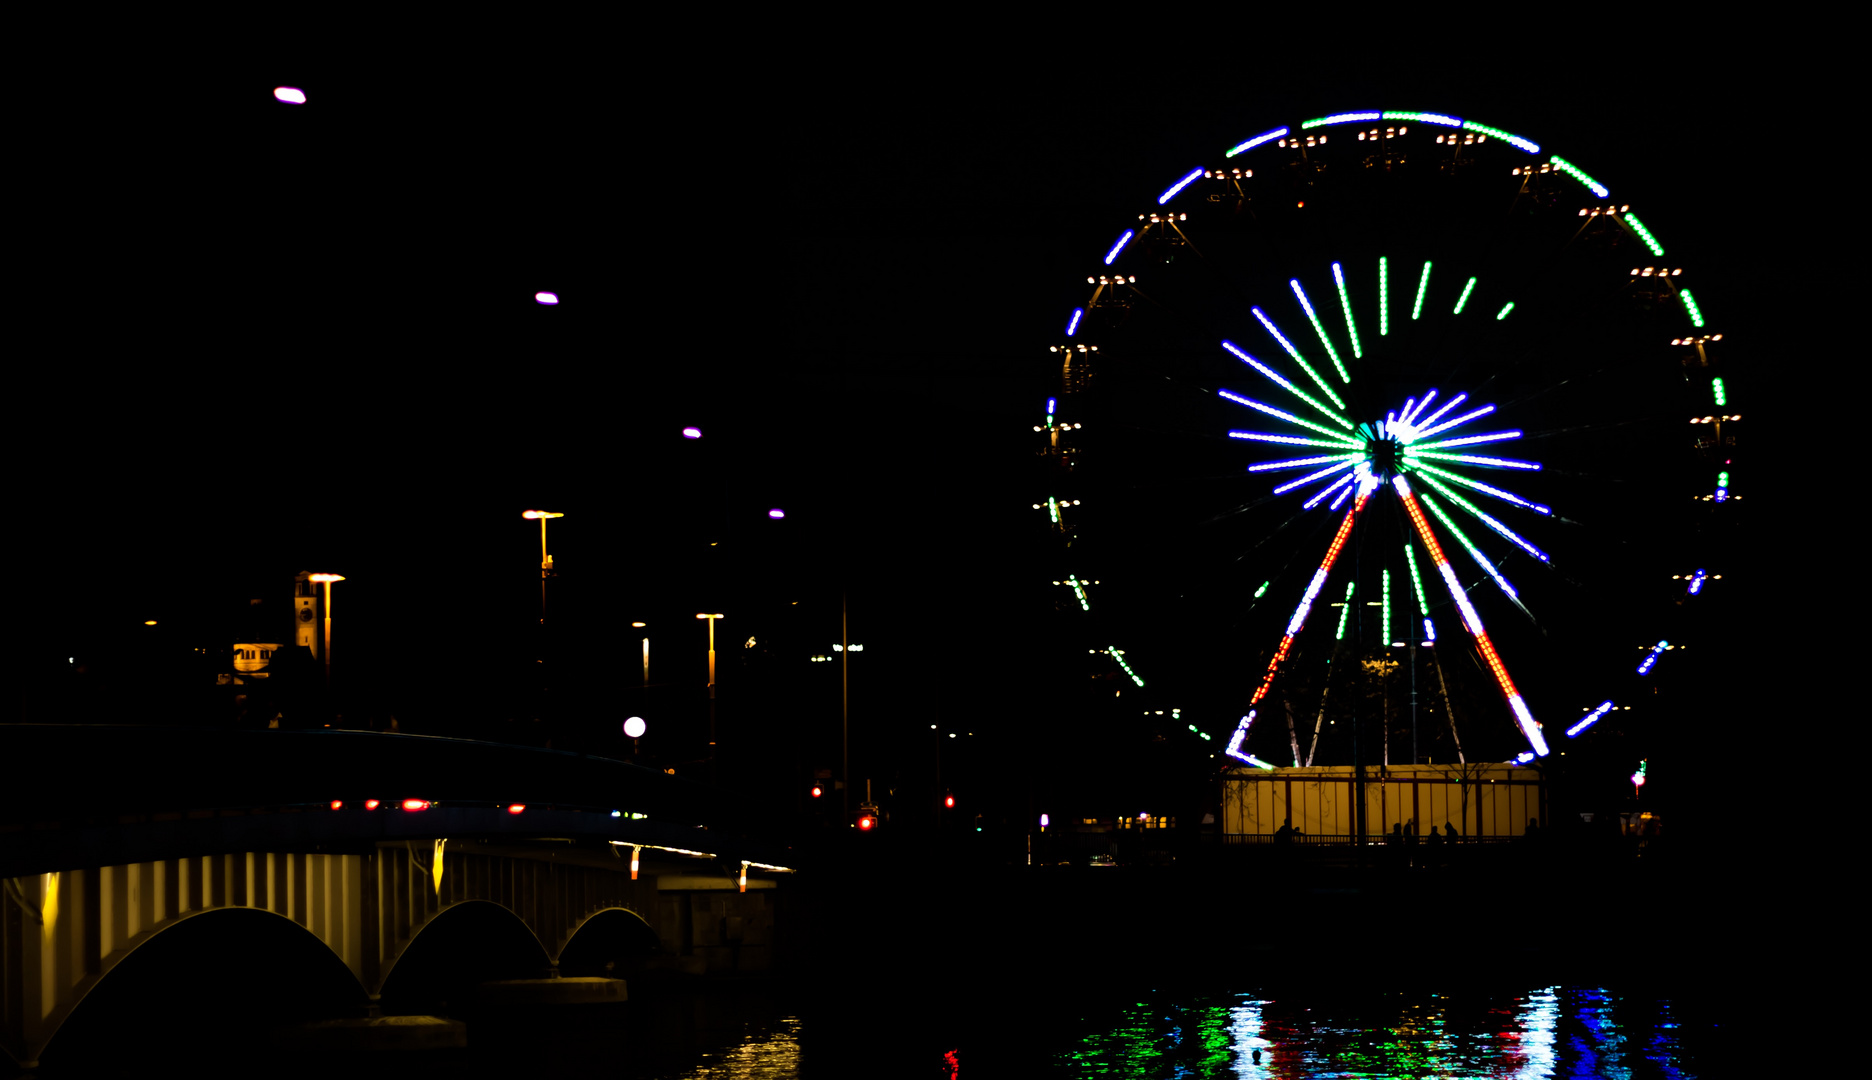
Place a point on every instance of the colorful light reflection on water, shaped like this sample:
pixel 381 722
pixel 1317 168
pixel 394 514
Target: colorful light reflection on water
pixel 1550 1032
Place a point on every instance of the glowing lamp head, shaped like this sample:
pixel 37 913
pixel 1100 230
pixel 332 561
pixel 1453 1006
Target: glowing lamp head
pixel 1045 821
pixel 1637 779
pixel 535 515
pixel 865 822
pixel 337 804
pixel 692 433
pixel 326 578
pixel 546 298
pixel 776 513
pixel 516 808
pixel 415 804
pixel 949 801
pixel 291 95
pixel 817 791
pixel 371 804
pixel 634 727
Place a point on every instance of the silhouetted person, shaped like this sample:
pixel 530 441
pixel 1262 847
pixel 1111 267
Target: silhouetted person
pixel 1285 834
pixel 1435 839
pixel 1533 834
pixel 1451 834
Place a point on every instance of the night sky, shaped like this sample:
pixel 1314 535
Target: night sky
pixel 303 338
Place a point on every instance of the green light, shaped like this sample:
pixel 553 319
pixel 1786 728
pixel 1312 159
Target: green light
pixel 1690 305
pixel 1722 479
pixel 1078 588
pixel 1384 297
pixel 1053 509
pixel 1410 558
pixel 1326 341
pixel 1573 170
pixel 1461 537
pixel 1644 234
pixel 1117 655
pixel 1716 385
pixel 1464 298
pixel 1345 304
pixel 1384 611
pixel 1262 591
pixel 1423 286
pixel 1471 125
pixel 1345 611
pixel 1509 306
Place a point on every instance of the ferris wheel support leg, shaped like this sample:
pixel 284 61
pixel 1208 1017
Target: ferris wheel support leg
pixel 1292 736
pixel 1447 710
pixel 1473 622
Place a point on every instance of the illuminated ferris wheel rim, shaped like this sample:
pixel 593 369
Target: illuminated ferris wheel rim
pixel 1369 453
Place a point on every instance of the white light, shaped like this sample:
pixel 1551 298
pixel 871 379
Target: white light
pixel 634 727
pixel 291 95
pixel 547 298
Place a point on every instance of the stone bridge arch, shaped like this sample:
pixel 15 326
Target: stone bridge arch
pixel 62 933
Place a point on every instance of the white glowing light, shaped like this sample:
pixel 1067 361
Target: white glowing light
pixel 1305 480
pixel 291 95
pixel 634 727
pixel 1463 419
pixel 1195 174
pixel 547 298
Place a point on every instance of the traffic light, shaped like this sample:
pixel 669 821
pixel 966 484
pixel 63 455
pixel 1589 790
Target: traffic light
pixel 949 802
pixel 867 818
pixel 817 791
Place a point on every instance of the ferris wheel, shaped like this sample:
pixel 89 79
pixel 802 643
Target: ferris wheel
pixel 1449 374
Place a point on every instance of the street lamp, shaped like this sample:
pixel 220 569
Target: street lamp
pixel 326 580
pixel 646 653
pixel 711 688
pixel 546 563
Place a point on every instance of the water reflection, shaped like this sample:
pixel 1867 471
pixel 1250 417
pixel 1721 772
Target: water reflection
pixel 771 1055
pixel 1547 1032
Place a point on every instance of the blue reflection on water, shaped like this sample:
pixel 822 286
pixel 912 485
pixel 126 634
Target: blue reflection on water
pixel 1546 1032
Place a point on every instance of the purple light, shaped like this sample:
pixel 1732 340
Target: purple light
pixel 776 513
pixel 1651 657
pixel 547 298
pixel 1696 583
pixel 291 95
pixel 1590 719
pixel 692 433
pixel 1072 327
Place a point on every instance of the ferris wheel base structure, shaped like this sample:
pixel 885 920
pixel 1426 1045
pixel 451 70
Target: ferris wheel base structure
pixel 1483 802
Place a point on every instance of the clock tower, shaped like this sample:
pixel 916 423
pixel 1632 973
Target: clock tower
pixel 308 615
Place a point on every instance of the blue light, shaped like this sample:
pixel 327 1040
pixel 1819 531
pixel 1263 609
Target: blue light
pixel 1524 757
pixel 1696 582
pixel 1421 406
pixel 1050 402
pixel 1350 488
pixel 1447 406
pixel 1469 440
pixel 1460 420
pixel 1472 459
pixel 1285 488
pixel 1335 486
pixel 1292 440
pixel 1072 327
pixel 1429 630
pixel 1589 720
pixel 1255 761
pixel 1269 136
pixel 1644 668
pixel 1426 117
pixel 1119 246
pixel 1289 387
pixel 1298 359
pixel 1195 174
pixel 1431 472
pixel 1295 463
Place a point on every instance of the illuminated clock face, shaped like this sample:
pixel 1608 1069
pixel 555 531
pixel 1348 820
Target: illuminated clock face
pixel 305 614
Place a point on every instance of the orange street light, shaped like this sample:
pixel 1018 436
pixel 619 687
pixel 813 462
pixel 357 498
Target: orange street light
pixel 326 580
pixel 711 686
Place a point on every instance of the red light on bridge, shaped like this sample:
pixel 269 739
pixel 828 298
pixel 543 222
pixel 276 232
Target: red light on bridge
pixel 337 804
pixel 371 804
pixel 415 804
pixel 949 801
pixel 516 808
pixel 817 791
pixel 865 822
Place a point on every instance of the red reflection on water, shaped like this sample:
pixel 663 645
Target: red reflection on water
pixel 953 1059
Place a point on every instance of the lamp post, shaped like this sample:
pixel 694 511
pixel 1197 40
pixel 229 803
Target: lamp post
pixel 646 653
pixel 546 563
pixel 326 580
pixel 711 691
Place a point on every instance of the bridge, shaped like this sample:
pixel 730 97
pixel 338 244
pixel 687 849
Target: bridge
pixel 112 836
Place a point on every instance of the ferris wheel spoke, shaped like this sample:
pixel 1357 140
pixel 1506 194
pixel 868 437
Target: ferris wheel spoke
pixel 1288 386
pixel 1278 414
pixel 1318 379
pixel 1471 621
pixel 1474 511
pixel 1294 625
pixel 1430 472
